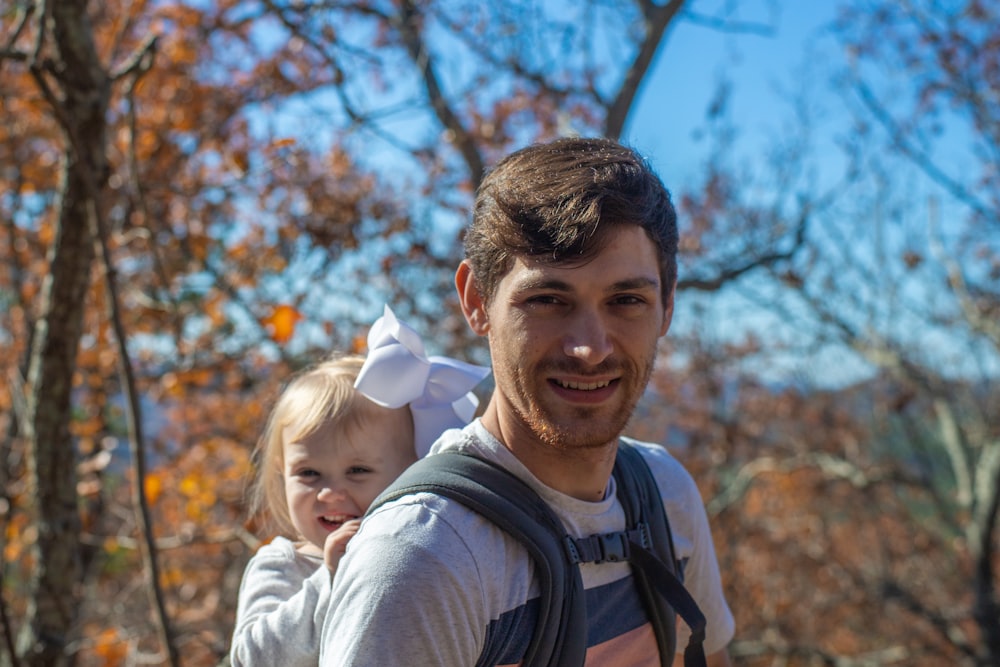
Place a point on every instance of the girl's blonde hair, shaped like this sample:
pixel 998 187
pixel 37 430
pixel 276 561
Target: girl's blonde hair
pixel 320 394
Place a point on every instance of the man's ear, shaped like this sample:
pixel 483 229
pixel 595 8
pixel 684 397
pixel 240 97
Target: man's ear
pixel 473 306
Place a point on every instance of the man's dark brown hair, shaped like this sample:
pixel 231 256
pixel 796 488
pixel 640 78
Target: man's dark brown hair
pixel 558 201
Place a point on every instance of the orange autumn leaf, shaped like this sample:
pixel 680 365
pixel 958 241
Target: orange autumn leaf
pixel 111 647
pixel 153 485
pixel 284 142
pixel 280 324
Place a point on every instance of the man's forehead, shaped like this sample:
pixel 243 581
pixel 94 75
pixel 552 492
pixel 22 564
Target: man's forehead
pixel 568 278
pixel 617 270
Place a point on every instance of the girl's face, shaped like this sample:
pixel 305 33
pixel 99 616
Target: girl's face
pixel 333 474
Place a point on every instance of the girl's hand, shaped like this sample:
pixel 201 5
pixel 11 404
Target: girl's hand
pixel 336 543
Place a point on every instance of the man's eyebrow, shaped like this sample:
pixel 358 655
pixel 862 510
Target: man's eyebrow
pixel 544 284
pixel 637 283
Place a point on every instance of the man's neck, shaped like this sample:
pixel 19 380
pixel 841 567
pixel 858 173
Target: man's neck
pixel 579 473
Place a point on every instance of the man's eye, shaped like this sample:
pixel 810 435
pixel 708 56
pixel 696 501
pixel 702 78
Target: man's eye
pixel 543 300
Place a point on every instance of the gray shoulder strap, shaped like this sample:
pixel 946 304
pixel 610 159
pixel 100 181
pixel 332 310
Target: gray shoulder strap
pixel 654 563
pixel 494 493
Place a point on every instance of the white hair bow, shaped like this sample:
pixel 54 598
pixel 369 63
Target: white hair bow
pixel 438 389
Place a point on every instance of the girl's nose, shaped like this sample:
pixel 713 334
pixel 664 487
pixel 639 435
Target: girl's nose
pixel 328 493
pixel 587 339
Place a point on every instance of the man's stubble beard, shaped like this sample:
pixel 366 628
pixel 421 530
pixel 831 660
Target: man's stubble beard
pixel 548 431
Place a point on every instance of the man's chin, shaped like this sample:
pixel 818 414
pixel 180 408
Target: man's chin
pixel 577 436
pixel 588 427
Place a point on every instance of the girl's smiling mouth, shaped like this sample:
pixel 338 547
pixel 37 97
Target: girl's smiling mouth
pixel 334 521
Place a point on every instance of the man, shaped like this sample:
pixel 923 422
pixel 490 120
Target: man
pixel 570 272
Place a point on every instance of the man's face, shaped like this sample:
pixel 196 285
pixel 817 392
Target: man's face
pixel 573 345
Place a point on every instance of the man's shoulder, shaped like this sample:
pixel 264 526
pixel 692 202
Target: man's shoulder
pixel 425 539
pixel 657 456
pixel 470 439
pixel 415 511
pixel 425 517
pixel 671 476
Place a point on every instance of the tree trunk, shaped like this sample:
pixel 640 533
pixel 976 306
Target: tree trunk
pixel 77 88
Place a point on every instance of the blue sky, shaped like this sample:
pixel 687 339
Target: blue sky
pixel 800 57
pixel 675 96
pixel 764 72
pixel 673 99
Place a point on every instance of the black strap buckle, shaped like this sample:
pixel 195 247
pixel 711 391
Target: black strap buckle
pixel 607 547
pixel 613 547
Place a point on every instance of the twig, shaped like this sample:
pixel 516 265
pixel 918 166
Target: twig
pixel 139 63
pixel 408 26
pixel 136 67
pixel 656 20
pixel 713 283
pixel 137 451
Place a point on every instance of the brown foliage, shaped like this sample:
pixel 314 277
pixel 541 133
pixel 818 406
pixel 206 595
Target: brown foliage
pixel 275 171
pixel 231 226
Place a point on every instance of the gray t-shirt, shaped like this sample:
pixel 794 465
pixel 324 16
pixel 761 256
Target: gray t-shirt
pixel 427 581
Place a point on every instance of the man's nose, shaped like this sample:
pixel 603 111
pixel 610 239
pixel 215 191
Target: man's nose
pixel 587 338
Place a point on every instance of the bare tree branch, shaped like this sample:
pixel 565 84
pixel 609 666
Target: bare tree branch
pixel 408 24
pixel 722 24
pixel 656 20
pixel 732 272
pixel 25 11
pixel 139 63
pixel 893 655
pixel 831 466
pixel 981 320
pixel 920 158
pixel 358 118
pixel 951 631
pixel 137 66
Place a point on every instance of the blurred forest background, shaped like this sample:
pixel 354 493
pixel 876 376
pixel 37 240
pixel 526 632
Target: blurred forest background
pixel 198 197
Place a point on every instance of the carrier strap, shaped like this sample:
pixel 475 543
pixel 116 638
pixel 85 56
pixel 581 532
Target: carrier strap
pixel 559 639
pixel 655 567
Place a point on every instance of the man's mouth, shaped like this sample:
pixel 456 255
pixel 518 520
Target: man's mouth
pixel 582 386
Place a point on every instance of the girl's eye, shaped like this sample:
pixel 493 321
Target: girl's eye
pixel 306 472
pixel 358 470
